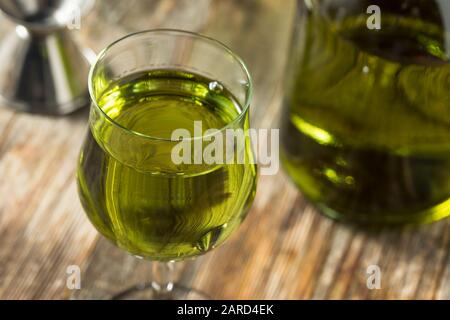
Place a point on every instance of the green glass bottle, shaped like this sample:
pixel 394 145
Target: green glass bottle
pixel 366 127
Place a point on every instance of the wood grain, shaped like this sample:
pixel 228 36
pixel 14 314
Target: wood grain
pixel 284 250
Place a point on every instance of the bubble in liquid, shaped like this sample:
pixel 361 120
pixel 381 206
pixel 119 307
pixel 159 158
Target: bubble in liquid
pixel 215 87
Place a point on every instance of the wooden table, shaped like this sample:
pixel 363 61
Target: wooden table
pixel 284 250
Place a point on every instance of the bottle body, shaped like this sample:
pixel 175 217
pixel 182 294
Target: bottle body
pixel 365 129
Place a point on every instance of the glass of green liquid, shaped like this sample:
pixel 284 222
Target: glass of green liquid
pixel 366 128
pixel 144 87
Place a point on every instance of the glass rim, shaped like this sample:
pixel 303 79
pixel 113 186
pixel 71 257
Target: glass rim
pixel 249 89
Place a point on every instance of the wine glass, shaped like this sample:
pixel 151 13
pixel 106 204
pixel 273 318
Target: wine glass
pixel 135 191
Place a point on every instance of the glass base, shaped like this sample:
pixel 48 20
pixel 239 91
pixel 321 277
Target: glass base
pixel 147 291
pixel 431 215
pixel 311 188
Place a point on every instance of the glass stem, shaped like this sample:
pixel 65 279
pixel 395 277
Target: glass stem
pixel 163 277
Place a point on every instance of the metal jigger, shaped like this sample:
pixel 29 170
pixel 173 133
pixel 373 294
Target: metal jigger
pixel 42 70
